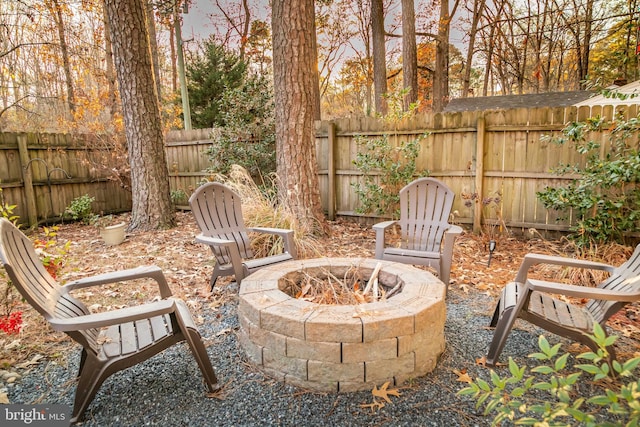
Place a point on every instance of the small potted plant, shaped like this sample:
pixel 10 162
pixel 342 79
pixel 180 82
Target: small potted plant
pixel 111 231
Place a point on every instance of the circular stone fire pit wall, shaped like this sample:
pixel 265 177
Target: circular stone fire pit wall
pixel 343 347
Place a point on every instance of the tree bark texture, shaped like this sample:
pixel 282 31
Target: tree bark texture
pixel 152 207
pixel 153 46
pixel 409 54
pixel 56 14
pixel 441 76
pixel 379 56
pixel 295 72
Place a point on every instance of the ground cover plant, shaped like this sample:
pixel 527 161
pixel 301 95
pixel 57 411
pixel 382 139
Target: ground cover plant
pixel 505 398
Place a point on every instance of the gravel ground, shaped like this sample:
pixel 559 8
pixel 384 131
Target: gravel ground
pixel 167 389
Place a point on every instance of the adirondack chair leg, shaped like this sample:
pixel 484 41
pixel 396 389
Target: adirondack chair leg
pixel 194 340
pixel 91 378
pixel 199 352
pixel 83 358
pixel 503 320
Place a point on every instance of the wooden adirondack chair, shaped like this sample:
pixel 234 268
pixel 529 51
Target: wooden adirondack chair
pixel 533 301
pixel 425 206
pixel 218 212
pixel 132 334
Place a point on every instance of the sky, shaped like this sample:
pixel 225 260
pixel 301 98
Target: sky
pixel 197 23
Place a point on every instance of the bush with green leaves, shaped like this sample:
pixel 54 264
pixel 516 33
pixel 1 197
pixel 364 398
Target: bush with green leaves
pixel 6 210
pixel 386 169
pixel 517 398
pixel 248 136
pixel 605 199
pixel 80 209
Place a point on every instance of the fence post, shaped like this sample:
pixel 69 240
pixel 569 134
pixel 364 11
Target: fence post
pixel 29 194
pixel 331 172
pixel 477 212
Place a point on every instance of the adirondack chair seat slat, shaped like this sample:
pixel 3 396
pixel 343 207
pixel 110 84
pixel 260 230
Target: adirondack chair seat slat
pixel 217 210
pixel 111 341
pixel 130 337
pixel 537 301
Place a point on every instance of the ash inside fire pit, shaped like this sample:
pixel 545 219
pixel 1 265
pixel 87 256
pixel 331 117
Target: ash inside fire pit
pixel 328 346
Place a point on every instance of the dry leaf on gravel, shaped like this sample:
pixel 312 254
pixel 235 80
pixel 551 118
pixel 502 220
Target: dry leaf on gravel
pixel 374 406
pixel 384 392
pixel 463 376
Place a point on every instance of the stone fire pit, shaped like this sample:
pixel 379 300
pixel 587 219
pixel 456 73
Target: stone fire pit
pixel 337 348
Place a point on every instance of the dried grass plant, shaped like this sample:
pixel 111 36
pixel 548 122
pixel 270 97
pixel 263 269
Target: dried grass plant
pixel 261 207
pixel 609 253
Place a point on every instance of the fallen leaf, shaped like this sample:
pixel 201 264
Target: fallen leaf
pixel 384 393
pixel 463 376
pixel 103 339
pixel 223 332
pixel 4 399
pixel 34 361
pixel 482 361
pixel 374 406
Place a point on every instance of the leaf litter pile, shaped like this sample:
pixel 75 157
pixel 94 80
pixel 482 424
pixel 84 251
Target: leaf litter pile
pixel 187 266
pixel 325 287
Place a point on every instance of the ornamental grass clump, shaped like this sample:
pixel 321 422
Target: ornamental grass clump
pixel 261 207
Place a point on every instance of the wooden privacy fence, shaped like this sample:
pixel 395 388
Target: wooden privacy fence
pixel 482 155
pixel 498 155
pixel 42 173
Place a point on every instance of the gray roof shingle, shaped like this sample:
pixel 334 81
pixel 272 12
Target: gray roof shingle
pixel 505 102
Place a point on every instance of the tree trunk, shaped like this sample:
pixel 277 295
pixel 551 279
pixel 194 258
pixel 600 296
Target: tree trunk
pixel 295 73
pixel 56 14
pixel 478 10
pixel 441 75
pixel 379 56
pixel 409 54
pixel 152 207
pixel 110 72
pixel 153 45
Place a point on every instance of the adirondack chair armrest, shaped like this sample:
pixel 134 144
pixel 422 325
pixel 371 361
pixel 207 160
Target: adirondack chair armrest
pixel 532 259
pixel 214 241
pixel 147 271
pixel 115 317
pixel 286 235
pixel 583 291
pixel 380 229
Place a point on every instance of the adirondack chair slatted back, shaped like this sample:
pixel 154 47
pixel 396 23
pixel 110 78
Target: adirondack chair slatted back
pixel 35 284
pixel 626 277
pixel 425 205
pixel 218 212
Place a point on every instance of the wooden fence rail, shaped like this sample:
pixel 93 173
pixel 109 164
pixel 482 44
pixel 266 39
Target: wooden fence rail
pixel 499 154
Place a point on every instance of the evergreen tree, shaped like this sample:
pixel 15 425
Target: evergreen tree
pixel 210 75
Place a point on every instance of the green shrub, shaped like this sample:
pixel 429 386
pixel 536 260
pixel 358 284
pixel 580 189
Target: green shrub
pixel 179 197
pixel 514 398
pixel 6 210
pixel 80 209
pixel 606 198
pixel 385 169
pixel 248 135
